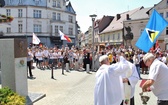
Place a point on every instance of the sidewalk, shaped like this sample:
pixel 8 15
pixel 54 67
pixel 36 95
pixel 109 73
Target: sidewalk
pixel 73 88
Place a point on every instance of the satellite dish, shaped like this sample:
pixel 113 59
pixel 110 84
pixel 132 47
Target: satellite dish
pixel 2 3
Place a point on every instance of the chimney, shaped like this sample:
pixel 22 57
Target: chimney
pixel 118 16
pixel 127 17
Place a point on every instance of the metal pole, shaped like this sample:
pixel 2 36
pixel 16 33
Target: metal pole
pixel 93 56
pixel 52 71
pixel 93 19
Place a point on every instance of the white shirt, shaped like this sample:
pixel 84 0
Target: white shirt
pixel 159 73
pixel 46 53
pixel 108 88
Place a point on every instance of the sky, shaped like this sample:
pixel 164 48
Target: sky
pixel 84 8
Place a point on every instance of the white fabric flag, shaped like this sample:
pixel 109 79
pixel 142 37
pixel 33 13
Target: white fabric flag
pixel 35 39
pixel 62 35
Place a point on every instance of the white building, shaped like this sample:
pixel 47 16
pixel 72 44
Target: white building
pixel 43 17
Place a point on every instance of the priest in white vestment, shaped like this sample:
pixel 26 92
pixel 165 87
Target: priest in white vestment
pixel 109 86
pixel 130 79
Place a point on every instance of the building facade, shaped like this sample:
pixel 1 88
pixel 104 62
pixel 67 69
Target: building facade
pixel 113 35
pixel 162 8
pixel 43 17
pixel 137 23
pixel 100 25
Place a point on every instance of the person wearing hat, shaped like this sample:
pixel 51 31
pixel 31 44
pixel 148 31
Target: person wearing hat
pixel 157 79
pixel 108 88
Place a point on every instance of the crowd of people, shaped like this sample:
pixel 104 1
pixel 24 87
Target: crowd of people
pixel 110 59
pixel 56 57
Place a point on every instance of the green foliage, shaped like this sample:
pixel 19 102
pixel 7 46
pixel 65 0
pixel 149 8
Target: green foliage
pixel 8 97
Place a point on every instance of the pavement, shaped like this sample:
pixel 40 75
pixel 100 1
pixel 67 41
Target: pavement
pixel 72 88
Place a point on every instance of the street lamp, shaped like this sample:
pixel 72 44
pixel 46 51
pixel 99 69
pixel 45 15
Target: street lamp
pixel 93 56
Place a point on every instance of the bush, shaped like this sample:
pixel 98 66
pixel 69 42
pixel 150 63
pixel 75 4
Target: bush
pixel 8 97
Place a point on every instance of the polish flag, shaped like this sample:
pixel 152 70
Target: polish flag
pixel 64 37
pixel 35 39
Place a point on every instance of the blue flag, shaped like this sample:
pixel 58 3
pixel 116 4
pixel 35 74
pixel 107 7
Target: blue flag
pixel 155 26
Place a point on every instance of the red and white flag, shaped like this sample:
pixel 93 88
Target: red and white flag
pixel 64 37
pixel 35 39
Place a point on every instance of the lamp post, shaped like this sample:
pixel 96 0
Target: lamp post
pixel 93 56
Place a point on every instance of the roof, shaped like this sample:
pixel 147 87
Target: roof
pixel 153 7
pixel 70 9
pixel 27 2
pixel 118 24
pixel 42 3
pixel 141 14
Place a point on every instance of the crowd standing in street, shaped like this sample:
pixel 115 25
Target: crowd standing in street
pixel 78 58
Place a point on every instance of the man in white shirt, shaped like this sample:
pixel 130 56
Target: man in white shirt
pixel 108 88
pixel 157 79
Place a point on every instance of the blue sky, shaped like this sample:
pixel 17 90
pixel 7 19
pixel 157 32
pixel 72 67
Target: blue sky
pixel 84 8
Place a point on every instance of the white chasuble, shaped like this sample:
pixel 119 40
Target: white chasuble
pixel 133 78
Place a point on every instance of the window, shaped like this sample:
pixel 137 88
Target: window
pixel 104 38
pixel 58 16
pixel 108 38
pixel 118 36
pixel 10 1
pixel 54 3
pixel 20 12
pixel 59 4
pixel 141 31
pixel 37 14
pixel 61 28
pixel 54 16
pixel 37 28
pixel 20 1
pixel 96 39
pixel 8 12
pixel 166 14
pixel 20 28
pixel 161 14
pixel 113 36
pixel 56 29
pixel 166 30
pixel 8 30
pixel 70 18
pixel 70 30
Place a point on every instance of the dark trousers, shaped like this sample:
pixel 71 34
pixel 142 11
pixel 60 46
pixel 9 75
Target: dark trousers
pixel 63 67
pixel 29 67
pixel 162 102
pixel 131 101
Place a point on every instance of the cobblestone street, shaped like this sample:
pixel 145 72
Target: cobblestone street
pixel 73 88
